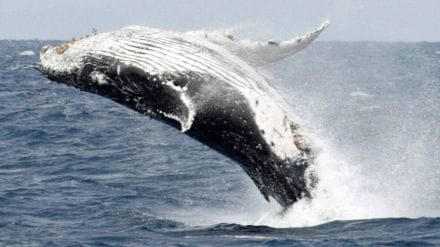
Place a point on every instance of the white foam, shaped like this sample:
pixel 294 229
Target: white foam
pixel 27 53
pixel 339 195
pixel 360 94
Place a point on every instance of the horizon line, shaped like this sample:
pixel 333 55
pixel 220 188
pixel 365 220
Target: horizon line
pixel 317 41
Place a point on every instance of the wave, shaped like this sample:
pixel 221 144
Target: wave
pixel 394 231
pixel 27 53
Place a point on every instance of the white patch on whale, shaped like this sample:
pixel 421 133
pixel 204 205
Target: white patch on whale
pixel 258 52
pixel 99 77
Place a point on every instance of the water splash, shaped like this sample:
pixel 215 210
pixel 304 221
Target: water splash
pixel 376 154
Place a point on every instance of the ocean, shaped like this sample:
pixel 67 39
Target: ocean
pixel 77 169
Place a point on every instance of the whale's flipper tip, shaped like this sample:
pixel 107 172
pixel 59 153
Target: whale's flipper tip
pixel 325 24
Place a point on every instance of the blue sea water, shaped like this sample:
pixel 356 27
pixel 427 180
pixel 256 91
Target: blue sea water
pixel 77 169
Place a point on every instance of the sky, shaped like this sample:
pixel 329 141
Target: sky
pixel 351 20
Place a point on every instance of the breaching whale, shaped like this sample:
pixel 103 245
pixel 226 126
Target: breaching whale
pixel 203 84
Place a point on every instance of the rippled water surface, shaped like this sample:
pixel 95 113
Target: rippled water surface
pixel 78 169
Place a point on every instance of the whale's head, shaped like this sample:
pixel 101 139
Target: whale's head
pixel 60 63
pixel 65 62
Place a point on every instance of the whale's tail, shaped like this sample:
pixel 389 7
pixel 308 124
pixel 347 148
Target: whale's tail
pixel 258 52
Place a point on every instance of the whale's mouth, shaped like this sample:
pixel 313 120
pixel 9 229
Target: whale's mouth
pixel 59 62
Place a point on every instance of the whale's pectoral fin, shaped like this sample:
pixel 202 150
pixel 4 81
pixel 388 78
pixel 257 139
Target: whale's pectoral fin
pixel 261 53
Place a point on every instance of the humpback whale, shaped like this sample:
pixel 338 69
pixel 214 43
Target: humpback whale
pixel 206 85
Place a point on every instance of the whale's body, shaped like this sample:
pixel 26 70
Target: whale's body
pixel 196 85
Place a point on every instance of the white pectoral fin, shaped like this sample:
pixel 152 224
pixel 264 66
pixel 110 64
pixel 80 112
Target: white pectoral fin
pixel 274 51
pixel 261 53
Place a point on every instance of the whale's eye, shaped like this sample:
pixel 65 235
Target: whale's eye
pixel 45 48
pixel 62 48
